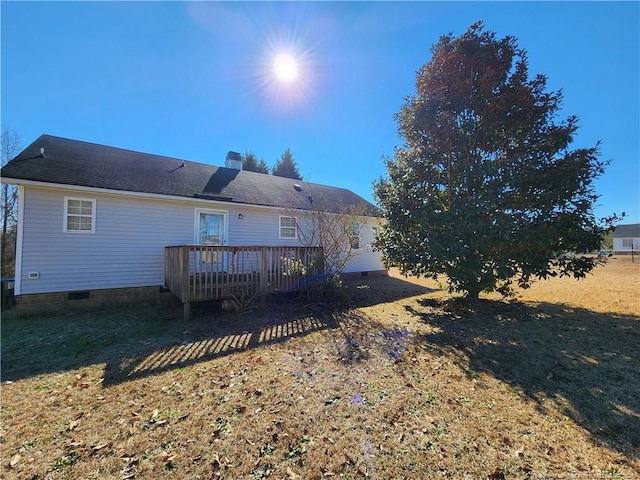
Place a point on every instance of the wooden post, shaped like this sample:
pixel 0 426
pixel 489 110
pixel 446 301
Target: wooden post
pixel 185 294
pixel 264 284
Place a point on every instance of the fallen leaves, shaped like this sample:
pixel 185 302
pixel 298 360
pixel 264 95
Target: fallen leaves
pixel 167 457
pixel 219 465
pixel 431 414
pixel 291 474
pixel 74 423
pixel 156 420
pixel 497 474
pixel 14 460
pixel 72 446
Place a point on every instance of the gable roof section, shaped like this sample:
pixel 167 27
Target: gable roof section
pixel 73 162
pixel 627 231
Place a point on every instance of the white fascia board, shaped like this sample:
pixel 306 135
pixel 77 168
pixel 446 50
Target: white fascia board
pixel 128 193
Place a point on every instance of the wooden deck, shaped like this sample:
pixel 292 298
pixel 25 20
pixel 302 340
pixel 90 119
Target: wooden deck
pixel 202 272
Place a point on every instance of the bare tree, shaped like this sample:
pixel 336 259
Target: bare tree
pixel 10 147
pixel 336 230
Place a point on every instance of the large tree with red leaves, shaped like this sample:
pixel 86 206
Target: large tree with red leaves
pixel 486 189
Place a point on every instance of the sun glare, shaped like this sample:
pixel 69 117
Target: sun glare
pixel 287 77
pixel 285 67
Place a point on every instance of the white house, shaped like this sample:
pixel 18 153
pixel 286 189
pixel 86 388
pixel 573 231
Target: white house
pixel 95 220
pixel 626 238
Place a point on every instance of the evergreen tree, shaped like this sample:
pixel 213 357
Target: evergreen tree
pixel 286 166
pixel 262 166
pixel 251 163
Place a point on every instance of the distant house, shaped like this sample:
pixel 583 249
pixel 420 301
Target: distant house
pixel 94 220
pixel 626 238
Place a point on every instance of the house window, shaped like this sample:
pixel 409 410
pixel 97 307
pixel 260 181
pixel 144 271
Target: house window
pixel 288 227
pixel 627 243
pixel 79 215
pixel 354 237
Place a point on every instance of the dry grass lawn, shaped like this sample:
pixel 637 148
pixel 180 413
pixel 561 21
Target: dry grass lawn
pixel 401 384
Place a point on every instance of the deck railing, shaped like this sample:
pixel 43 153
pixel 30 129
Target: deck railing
pixel 205 272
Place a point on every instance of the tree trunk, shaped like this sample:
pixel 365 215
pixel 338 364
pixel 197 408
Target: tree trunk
pixel 473 292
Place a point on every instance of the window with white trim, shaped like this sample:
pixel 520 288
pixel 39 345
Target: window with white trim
pixel 288 228
pixel 79 215
pixel 354 236
pixel 627 242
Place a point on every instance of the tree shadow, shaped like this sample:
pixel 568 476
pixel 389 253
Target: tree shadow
pixel 366 291
pixel 585 363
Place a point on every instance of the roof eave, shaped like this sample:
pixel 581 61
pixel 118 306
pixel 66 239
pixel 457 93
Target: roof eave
pixel 159 196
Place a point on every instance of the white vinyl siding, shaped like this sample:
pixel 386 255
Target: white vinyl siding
pixel 126 250
pixel 130 233
pixel 79 215
pixel 626 244
pixel 366 260
pixel 288 227
pixel 354 238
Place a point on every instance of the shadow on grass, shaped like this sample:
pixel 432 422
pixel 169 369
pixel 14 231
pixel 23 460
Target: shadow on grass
pixel 147 339
pixel 585 363
pixel 137 342
pixel 369 291
pixel 208 337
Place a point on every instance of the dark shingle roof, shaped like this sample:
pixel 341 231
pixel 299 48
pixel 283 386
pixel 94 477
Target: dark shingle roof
pixel 627 231
pixel 72 162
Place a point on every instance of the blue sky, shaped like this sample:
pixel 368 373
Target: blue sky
pixel 195 80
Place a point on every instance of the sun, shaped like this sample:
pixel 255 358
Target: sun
pixel 285 67
pixel 287 77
